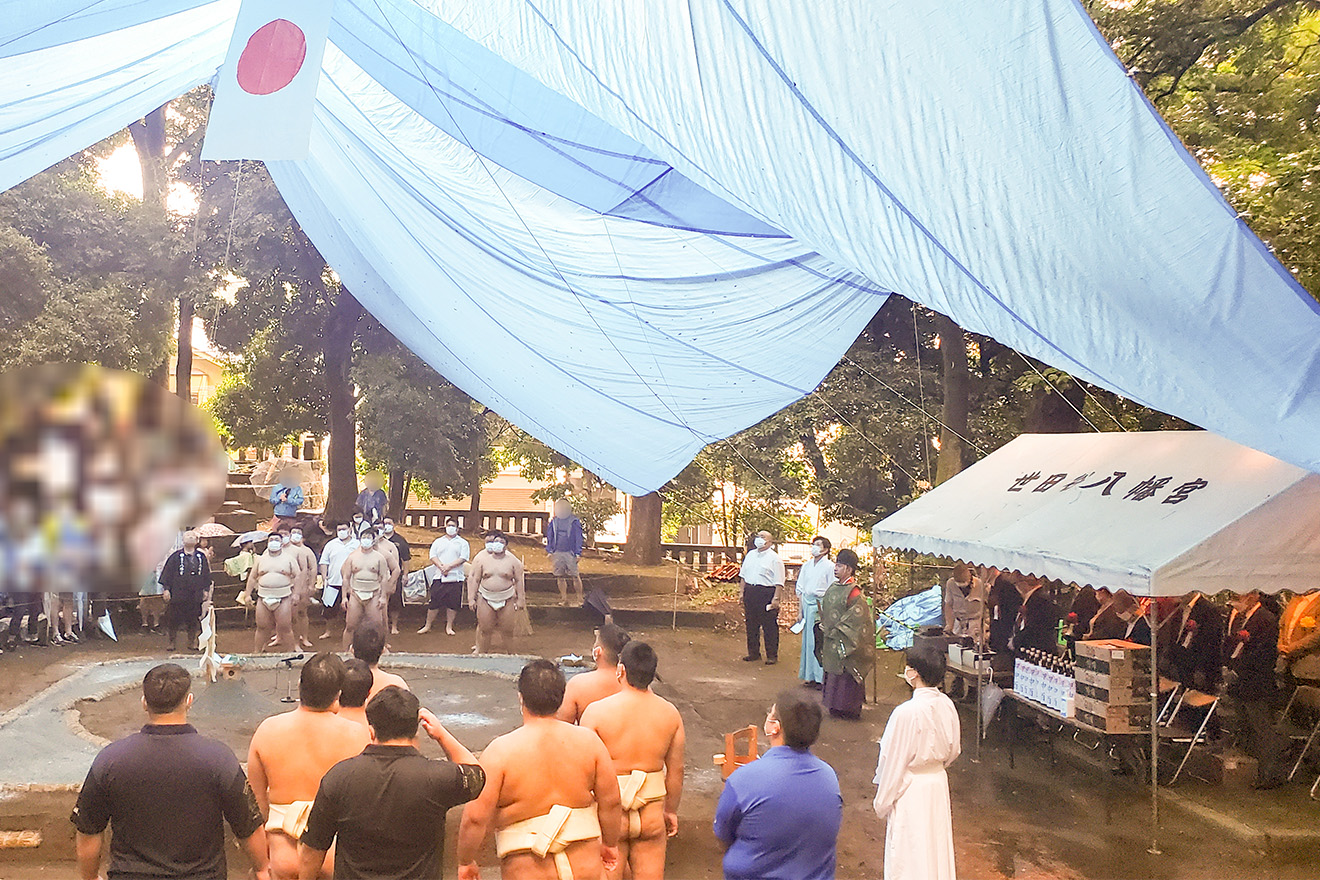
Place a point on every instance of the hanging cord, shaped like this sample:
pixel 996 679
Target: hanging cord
pixel 914 405
pixel 233 211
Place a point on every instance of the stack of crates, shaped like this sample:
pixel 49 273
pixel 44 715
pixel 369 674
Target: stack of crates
pixel 1113 685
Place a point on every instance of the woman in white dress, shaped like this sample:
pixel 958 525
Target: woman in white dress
pixel 922 738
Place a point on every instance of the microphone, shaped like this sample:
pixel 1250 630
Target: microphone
pixel 288 661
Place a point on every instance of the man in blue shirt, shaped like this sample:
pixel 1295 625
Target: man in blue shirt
pixel 779 816
pixel 564 539
pixel 286 496
pixel 372 501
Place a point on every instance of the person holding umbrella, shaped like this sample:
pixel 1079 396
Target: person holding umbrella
pixel 286 496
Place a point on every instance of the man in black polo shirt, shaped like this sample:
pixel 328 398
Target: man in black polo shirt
pixel 385 809
pixel 166 793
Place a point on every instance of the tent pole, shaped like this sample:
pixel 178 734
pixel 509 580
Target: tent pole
pixel 1154 729
pixel 978 648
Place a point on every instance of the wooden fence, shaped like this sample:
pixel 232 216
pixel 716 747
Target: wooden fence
pixel 513 522
pixel 699 556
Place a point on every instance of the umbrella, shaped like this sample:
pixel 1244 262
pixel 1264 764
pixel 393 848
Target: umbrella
pixel 107 626
pixel 251 538
pixel 598 602
pixel 213 530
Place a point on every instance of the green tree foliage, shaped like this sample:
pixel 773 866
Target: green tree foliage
pixel 25 278
pixel 90 278
pixel 416 426
pixel 270 396
pixel 1239 82
pixel 594 500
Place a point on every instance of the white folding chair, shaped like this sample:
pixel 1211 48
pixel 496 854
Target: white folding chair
pixel 1193 699
pixel 1307 697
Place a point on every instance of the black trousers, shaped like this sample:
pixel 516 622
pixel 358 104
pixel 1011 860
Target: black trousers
pixel 1257 736
pixel 759 620
pixel 184 612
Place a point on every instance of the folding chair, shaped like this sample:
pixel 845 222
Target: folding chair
pixel 1192 699
pixel 1175 690
pixel 1308 697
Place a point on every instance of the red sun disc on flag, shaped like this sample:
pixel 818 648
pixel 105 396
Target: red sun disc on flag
pixel 272 57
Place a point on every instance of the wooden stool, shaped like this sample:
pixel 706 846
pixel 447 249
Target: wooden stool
pixel 731 760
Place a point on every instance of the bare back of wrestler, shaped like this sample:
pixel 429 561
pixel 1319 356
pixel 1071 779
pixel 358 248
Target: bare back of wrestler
pixel 542 767
pixel 584 689
pixel 644 735
pixel 287 758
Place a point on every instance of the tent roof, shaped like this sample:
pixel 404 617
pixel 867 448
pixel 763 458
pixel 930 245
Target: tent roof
pixel 1157 514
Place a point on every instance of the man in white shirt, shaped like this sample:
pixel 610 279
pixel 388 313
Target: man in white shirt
pixel 762 590
pixel 333 556
pixel 448 553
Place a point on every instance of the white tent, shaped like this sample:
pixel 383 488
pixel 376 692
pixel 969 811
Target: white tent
pixel 1157 514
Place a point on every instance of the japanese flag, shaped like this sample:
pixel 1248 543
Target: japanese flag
pixel 267 87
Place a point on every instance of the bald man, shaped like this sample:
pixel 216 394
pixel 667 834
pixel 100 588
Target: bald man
pixel 366 576
pixel 291 752
pixel 550 792
pixel 644 736
pixel 586 688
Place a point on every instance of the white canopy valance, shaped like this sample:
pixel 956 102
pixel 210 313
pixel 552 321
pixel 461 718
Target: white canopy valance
pixel 1157 514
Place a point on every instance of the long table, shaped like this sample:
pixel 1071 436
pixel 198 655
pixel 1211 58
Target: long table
pixel 1131 749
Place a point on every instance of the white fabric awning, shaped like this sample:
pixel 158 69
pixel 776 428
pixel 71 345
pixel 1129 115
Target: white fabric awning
pixel 1157 514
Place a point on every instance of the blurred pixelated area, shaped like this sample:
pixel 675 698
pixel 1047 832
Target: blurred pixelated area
pixel 99 470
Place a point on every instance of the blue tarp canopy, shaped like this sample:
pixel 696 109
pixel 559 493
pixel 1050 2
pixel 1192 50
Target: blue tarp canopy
pixel 636 228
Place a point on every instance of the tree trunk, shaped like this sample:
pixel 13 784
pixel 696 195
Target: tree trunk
pixel 398 492
pixel 1057 412
pixel 337 351
pixel 816 456
pixel 644 530
pixel 184 360
pixel 474 503
pixel 953 360
pixel 148 135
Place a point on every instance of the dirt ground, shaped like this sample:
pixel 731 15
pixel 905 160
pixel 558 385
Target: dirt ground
pixel 1041 820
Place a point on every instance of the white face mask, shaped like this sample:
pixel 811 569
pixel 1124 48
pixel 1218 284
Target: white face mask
pixel 295 537
pixel 758 542
pixel 273 546
pixel 910 676
pixel 343 534
pixel 365 543
pixel 817 551
pixel 496 547
pixel 357 517
pixel 387 529
pixel 451 531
